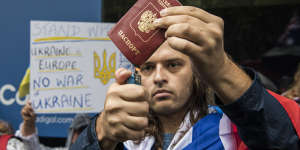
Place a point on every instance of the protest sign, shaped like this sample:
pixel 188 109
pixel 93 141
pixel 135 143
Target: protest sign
pixel 72 65
pixel 15 47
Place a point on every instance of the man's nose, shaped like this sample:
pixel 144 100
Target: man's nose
pixel 160 75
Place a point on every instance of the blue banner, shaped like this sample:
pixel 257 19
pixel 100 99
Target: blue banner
pixel 14 59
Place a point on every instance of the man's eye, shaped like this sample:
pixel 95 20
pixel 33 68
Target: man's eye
pixel 146 68
pixel 173 65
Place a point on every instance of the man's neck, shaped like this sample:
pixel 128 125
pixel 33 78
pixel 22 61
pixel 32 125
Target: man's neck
pixel 171 123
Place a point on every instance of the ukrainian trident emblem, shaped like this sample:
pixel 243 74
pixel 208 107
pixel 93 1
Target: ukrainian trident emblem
pixel 106 72
pixel 145 24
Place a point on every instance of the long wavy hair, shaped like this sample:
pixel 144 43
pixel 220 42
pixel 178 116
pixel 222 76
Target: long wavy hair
pixel 294 91
pixel 197 105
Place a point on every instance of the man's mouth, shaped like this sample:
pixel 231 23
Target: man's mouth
pixel 161 94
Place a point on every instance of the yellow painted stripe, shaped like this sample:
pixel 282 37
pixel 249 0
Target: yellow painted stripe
pixel 64 110
pixel 71 55
pixel 70 38
pixel 63 88
pixel 59 70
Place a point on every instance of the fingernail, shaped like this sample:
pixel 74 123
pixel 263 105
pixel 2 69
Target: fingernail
pixel 120 70
pixel 163 12
pixel 156 21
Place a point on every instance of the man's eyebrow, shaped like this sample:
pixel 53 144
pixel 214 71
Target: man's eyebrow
pixel 174 59
pixel 166 60
pixel 147 63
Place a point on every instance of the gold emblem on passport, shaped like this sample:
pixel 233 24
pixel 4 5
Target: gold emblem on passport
pixel 142 23
pixel 145 23
pixel 106 72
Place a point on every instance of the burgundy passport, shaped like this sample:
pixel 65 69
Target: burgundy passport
pixel 135 35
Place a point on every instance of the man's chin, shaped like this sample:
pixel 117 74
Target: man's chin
pixel 163 109
pixel 161 102
pixel 162 112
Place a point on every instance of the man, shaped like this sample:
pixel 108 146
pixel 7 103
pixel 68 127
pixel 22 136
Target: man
pixel 28 131
pixel 174 93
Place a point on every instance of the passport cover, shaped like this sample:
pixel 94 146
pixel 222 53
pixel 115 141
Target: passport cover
pixel 135 35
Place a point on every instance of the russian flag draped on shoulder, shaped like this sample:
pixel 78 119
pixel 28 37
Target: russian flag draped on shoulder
pixel 213 132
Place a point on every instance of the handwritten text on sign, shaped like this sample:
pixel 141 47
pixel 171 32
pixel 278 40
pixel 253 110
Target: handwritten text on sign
pixel 72 65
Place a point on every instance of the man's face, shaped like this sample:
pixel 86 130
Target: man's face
pixel 167 76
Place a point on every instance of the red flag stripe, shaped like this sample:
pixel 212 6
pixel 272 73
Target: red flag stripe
pixel 292 108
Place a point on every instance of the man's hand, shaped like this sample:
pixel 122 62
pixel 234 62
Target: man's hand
pixel 125 112
pixel 199 35
pixel 196 33
pixel 29 118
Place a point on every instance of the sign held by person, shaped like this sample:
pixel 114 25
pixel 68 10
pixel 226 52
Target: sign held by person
pixel 72 64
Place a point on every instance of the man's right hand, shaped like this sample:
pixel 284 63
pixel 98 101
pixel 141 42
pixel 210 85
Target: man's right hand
pixel 125 112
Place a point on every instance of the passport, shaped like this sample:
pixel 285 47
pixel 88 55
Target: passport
pixel 135 35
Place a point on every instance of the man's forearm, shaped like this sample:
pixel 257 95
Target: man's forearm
pixel 230 83
pixel 263 123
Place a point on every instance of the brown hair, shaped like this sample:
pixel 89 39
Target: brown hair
pixel 200 97
pixel 294 90
pixel 5 128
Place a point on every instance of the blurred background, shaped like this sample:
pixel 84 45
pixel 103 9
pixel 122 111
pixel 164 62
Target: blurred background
pixel 262 34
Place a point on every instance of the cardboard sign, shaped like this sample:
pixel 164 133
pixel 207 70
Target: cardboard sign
pixel 72 65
